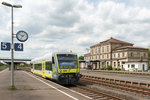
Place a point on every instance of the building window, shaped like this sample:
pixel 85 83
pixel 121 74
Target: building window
pixel 138 54
pixel 96 50
pixel 132 66
pixel 128 66
pixel 107 48
pixel 114 64
pixel 103 56
pixel 144 67
pixel 102 49
pixel 119 55
pixel 131 54
pixel 107 55
pixel 118 64
pixel 114 55
pixel 123 62
pixel 144 54
pixel 99 50
pixel 107 63
pixel 123 54
pixel 91 51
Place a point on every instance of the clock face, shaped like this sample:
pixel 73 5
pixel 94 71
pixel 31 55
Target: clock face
pixel 22 36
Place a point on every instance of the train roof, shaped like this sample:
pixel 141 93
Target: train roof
pixel 48 57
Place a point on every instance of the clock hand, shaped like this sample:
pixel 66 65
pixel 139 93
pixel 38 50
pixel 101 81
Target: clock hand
pixel 22 35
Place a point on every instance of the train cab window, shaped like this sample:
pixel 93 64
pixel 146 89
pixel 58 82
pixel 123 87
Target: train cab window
pixel 53 60
pixel 49 65
pixel 38 66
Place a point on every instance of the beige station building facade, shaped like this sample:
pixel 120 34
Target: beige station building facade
pixel 118 54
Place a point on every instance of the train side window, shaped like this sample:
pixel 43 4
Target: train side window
pixel 49 65
pixel 38 66
pixel 53 60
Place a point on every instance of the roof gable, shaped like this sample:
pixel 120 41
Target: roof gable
pixel 113 40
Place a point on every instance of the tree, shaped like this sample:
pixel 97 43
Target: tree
pixel 81 58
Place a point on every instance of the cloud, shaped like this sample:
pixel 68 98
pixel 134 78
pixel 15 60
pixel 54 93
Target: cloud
pixel 75 25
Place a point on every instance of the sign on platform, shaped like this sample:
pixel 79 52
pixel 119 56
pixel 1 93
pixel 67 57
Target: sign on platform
pixel 5 46
pixel 18 46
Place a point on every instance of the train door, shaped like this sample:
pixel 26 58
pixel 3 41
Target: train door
pixel 143 67
pixel 43 68
pixel 54 70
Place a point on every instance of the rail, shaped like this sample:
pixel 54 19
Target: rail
pixel 132 86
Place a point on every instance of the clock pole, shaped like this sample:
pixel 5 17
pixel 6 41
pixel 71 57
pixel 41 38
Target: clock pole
pixel 12 52
pixel 12 41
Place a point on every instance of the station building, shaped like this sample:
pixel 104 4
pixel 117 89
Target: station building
pixel 118 54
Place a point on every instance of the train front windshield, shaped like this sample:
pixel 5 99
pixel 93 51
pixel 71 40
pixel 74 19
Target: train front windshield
pixel 67 61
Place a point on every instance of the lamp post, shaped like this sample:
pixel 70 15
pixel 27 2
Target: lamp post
pixel 12 41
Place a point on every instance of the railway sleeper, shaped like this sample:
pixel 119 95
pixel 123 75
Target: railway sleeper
pixel 122 87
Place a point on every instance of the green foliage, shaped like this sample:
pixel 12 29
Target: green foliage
pixel 23 65
pixel 103 68
pixel 3 66
pixel 12 88
pixel 81 58
pixel 109 67
pixel 117 69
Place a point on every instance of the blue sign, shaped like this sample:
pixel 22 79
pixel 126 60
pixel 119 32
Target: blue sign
pixel 18 46
pixel 5 46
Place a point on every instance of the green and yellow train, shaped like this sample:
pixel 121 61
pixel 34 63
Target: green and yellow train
pixel 62 67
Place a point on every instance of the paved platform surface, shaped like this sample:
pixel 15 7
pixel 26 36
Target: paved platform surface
pixel 130 77
pixel 29 87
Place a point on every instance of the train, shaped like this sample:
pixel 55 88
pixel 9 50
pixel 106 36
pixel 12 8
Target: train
pixel 61 67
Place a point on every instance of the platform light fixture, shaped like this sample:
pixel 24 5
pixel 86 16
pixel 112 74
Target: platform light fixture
pixel 12 41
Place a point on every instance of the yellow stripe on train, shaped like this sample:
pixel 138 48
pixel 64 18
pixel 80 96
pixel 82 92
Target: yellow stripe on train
pixel 68 70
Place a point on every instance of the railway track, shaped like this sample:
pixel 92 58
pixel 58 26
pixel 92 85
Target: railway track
pixel 93 94
pixel 135 89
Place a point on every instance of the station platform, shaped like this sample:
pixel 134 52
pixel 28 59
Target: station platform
pixel 30 87
pixel 129 77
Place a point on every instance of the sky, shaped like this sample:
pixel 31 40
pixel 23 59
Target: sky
pixel 74 25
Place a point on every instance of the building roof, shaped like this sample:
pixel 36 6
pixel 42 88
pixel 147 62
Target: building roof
pixel 112 40
pixel 87 54
pixel 129 47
